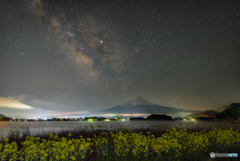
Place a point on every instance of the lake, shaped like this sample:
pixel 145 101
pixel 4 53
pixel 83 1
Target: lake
pixel 47 126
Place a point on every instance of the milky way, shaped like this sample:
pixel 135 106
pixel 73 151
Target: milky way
pixel 79 56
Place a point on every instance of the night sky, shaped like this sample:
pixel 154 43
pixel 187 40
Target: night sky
pixel 69 57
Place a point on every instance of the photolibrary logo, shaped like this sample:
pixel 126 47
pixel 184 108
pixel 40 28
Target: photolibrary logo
pixel 212 154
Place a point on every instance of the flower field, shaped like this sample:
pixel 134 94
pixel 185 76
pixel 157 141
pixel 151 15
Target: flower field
pixel 125 144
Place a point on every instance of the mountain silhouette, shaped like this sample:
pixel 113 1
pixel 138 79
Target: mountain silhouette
pixel 138 105
pixel 221 109
pixel 137 101
pixel 3 116
pixel 232 112
pixel 206 113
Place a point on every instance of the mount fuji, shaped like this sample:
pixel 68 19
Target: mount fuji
pixel 139 105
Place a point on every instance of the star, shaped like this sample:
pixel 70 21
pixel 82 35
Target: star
pixel 24 55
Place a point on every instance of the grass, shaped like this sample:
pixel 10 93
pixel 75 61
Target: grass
pixel 19 134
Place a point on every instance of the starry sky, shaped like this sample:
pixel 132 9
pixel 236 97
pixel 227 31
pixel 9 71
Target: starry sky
pixel 69 57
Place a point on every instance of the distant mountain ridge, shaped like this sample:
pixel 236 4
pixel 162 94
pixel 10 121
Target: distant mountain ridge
pixel 221 109
pixel 138 105
pixel 206 113
pixel 234 105
pixel 233 111
pixel 3 116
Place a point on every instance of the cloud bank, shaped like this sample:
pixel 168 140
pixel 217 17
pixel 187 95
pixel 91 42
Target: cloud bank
pixel 14 102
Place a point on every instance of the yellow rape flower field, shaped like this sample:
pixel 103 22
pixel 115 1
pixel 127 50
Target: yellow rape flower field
pixel 125 145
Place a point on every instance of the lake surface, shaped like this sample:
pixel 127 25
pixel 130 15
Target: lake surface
pixel 94 124
pixel 47 126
